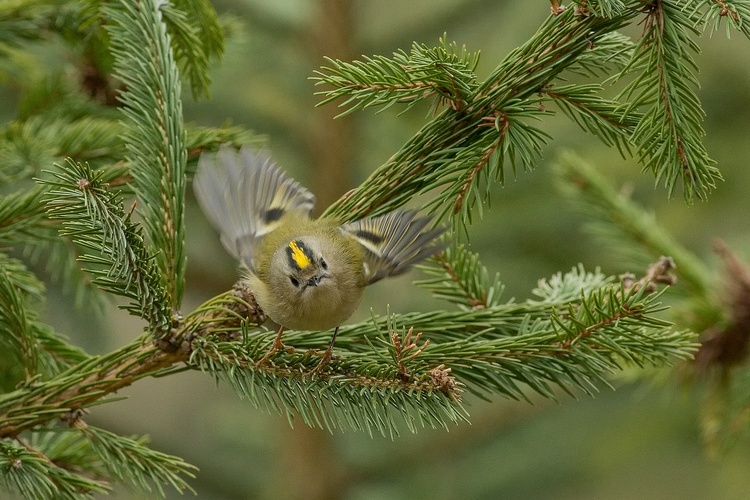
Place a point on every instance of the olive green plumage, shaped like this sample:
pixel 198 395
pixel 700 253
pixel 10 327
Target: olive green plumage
pixel 306 274
pixel 318 307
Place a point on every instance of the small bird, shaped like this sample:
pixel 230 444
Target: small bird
pixel 306 274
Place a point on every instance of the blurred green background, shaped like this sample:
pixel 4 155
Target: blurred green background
pixel 641 441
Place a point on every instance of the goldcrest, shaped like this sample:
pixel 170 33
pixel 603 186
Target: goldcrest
pixel 306 274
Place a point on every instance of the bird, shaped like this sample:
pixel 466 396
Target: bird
pixel 305 273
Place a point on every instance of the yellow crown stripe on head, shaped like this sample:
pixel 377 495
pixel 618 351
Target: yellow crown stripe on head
pixel 299 254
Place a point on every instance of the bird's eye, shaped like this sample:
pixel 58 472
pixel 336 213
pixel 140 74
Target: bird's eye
pixel 294 281
pixel 324 264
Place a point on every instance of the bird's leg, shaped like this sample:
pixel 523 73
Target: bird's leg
pixel 277 346
pixel 325 358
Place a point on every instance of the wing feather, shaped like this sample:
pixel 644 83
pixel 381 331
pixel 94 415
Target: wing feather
pixel 244 195
pixel 394 242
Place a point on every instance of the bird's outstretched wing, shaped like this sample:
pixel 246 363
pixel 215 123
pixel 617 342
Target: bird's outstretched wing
pixel 394 242
pixel 245 195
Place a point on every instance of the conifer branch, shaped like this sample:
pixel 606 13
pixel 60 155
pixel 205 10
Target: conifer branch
pixel 118 259
pixel 21 215
pixel 669 136
pixel 29 348
pixel 603 8
pixel 30 473
pixel 459 277
pixel 618 219
pixel 24 20
pixel 196 35
pixel 573 343
pixel 59 256
pixel 16 335
pixel 393 371
pixel 579 332
pixel 38 141
pixel 443 71
pixel 462 152
pixel 30 145
pixel 457 150
pixel 612 51
pixel 87 451
pixel 601 117
pixel 26 146
pixel 81 386
pixel 196 39
pixel 716 308
pixel 736 14
pixel 134 464
pixel 155 132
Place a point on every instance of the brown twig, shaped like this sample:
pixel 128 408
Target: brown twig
pixel 556 8
pixel 406 350
pixel 66 394
pixel 726 10
pixel 660 272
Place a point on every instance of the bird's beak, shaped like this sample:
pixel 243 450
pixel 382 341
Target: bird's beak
pixel 315 280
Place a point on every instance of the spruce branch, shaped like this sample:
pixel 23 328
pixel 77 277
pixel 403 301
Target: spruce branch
pixel 55 463
pixel 562 42
pixel 28 146
pixel 30 349
pixel 718 309
pixel 735 13
pixel 24 20
pixel 602 8
pixel 56 353
pixel 497 349
pixel 58 257
pixel 55 97
pixel 93 217
pixel 66 448
pixel 21 215
pixel 196 39
pixel 444 72
pixel 352 396
pixel 517 143
pixel 20 280
pixel 569 343
pixel 155 134
pixel 82 385
pixel 601 117
pixel 34 143
pixel 133 463
pixel 392 371
pixel 612 51
pixel 90 379
pixel 658 112
pixel 616 218
pixel 466 145
pixel 584 328
pixel 196 35
pixel 669 136
pixel 458 276
pixel 16 334
pixel 31 474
